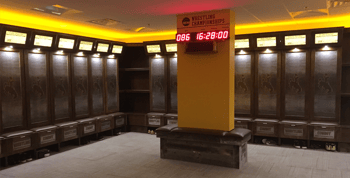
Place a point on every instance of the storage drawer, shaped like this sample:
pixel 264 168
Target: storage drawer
pixel 87 127
pixel 105 123
pixel 170 119
pixel 47 137
pixel 70 133
pixel 323 133
pixel 155 121
pixel 266 128
pixel 137 120
pixel 21 143
pixel 294 130
pixel 17 142
pixel 120 120
pixel 241 124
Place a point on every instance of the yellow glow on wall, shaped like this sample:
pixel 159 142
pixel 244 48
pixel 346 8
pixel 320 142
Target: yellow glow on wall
pixel 310 23
pixel 41 21
pixel 45 22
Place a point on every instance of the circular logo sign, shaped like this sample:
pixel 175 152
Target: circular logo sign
pixel 186 21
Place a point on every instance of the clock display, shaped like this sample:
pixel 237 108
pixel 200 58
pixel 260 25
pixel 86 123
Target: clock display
pixel 202 36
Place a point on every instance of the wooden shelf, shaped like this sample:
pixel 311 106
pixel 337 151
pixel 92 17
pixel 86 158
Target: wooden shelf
pixel 345 94
pixel 134 69
pixel 134 91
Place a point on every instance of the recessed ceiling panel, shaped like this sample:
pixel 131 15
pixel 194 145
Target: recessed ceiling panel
pixel 244 17
pixel 269 10
pixel 302 5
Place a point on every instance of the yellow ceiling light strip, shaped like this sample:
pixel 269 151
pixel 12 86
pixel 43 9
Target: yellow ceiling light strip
pixel 45 22
pixel 300 24
pixel 40 21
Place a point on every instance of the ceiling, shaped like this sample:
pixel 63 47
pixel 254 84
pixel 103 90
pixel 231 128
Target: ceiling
pixel 140 16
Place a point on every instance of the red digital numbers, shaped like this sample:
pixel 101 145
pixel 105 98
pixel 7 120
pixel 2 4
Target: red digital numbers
pixel 200 36
pixel 220 35
pixel 183 37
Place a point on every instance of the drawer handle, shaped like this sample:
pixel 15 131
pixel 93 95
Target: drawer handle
pixel 265 123
pixel 292 125
pixel 238 121
pixel 323 127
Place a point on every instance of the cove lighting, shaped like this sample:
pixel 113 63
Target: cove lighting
pixel 242 52
pixel 37 50
pixel 268 50
pixel 111 56
pixel 8 48
pixel 80 54
pixel 325 48
pixel 158 56
pixel 96 55
pixel 296 50
pixel 59 52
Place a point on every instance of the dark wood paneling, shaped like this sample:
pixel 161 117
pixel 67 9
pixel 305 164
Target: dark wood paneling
pixel 13 115
pixel 61 88
pixel 326 73
pixel 158 80
pixel 244 80
pixel 172 84
pixel 112 85
pixel 80 85
pixel 97 87
pixel 295 85
pixel 267 85
pixel 137 119
pixel 38 91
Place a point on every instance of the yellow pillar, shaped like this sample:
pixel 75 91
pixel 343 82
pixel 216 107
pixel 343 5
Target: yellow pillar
pixel 206 84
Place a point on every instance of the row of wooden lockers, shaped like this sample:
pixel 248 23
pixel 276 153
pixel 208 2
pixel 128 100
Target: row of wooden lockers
pixel 42 88
pixel 26 140
pixel 303 85
pixel 292 129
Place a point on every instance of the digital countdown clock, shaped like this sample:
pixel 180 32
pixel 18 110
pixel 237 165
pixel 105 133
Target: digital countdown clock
pixel 202 36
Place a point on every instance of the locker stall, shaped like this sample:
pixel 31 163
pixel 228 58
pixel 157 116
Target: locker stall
pixel 48 82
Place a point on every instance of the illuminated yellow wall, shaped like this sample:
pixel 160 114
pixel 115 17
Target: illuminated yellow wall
pixel 206 87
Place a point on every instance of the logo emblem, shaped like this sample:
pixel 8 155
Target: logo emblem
pixel 186 21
